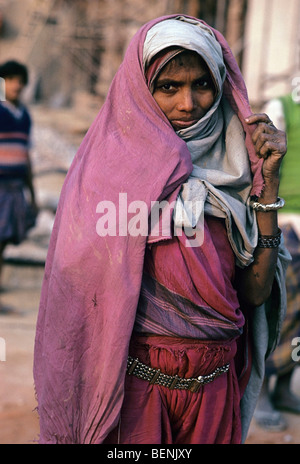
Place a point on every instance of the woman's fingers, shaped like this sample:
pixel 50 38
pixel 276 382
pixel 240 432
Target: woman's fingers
pixel 267 144
pixel 257 118
pixel 267 138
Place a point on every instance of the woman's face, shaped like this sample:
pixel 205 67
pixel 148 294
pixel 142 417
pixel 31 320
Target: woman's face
pixel 184 90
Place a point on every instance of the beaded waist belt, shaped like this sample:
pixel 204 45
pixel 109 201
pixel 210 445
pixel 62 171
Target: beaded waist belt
pixel 155 376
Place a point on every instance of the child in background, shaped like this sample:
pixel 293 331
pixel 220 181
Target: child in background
pixel 16 215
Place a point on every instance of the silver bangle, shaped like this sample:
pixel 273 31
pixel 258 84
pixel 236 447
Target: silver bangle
pixel 265 208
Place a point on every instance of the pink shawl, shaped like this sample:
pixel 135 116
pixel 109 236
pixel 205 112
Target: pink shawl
pixel 91 284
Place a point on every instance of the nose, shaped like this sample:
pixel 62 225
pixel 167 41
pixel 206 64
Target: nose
pixel 186 101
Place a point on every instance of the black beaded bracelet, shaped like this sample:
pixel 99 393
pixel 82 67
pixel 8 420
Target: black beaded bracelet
pixel 269 241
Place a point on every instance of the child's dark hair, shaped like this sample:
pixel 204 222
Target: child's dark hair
pixel 14 68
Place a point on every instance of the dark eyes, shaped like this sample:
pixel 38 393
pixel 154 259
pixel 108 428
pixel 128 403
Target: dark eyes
pixel 201 84
pixel 168 86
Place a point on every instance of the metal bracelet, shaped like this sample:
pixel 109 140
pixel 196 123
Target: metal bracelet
pixel 269 241
pixel 270 207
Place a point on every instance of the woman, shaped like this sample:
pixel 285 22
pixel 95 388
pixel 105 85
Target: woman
pixel 172 129
pixel 15 166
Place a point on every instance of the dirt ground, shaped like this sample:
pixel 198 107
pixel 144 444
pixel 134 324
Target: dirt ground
pixel 21 286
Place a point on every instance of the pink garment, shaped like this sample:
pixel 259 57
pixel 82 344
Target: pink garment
pixel 91 284
pixel 154 414
pixel 201 304
pixel 212 284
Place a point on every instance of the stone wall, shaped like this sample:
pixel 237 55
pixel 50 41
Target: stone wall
pixel 73 48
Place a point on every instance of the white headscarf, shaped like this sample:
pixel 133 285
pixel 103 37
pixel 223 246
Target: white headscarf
pixel 221 179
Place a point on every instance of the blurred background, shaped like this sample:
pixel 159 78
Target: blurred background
pixel 72 49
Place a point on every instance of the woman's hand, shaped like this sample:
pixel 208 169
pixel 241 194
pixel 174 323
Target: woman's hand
pixel 270 144
pixel 255 282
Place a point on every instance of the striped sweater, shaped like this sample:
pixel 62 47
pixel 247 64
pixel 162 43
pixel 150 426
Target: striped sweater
pixel 15 126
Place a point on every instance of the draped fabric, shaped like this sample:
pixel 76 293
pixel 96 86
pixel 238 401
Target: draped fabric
pixel 281 361
pixel 221 174
pixel 92 282
pixel 198 300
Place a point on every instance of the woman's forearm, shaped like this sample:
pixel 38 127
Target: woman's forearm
pixel 255 282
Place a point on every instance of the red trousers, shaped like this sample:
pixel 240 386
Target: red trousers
pixel 153 414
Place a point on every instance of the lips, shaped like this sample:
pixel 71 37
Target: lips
pixel 182 124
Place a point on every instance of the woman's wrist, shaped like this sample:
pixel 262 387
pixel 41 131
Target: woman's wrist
pixel 266 214
pixel 270 192
pixel 267 223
